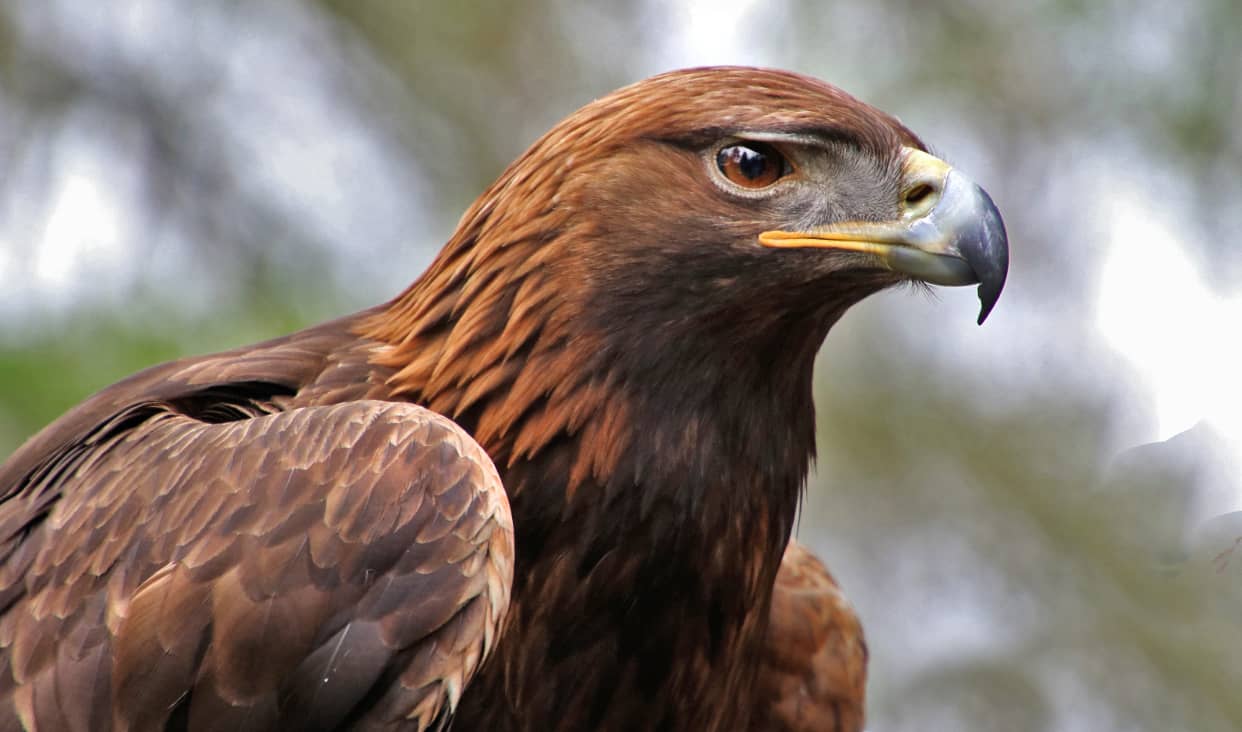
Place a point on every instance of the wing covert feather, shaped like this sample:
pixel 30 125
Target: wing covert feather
pixel 328 566
pixel 814 671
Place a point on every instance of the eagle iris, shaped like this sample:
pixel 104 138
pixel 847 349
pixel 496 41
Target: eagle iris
pixel 751 165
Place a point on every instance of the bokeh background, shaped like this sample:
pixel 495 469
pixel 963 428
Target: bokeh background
pixel 182 177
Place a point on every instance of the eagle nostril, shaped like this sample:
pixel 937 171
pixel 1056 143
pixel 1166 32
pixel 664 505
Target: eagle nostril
pixel 919 199
pixel 918 194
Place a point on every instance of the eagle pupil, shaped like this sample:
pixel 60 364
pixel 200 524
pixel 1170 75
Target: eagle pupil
pixel 752 163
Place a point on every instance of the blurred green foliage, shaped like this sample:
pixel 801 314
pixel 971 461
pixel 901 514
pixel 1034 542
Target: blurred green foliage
pixel 962 493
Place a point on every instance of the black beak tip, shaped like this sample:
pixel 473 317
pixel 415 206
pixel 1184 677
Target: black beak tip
pixel 988 295
pixel 987 253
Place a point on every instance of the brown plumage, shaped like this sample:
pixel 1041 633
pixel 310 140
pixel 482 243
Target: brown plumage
pixel 814 672
pixel 294 535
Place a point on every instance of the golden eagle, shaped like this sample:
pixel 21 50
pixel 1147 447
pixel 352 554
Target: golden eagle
pixel 549 486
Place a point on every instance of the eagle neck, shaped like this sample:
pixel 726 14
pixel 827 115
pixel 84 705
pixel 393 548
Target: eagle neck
pixel 653 477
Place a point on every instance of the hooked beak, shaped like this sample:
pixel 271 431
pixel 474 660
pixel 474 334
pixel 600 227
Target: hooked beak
pixel 949 232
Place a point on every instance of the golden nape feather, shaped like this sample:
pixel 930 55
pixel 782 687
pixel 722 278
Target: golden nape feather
pixel 550 486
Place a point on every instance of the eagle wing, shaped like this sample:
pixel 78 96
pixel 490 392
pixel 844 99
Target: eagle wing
pixel 814 670
pixel 325 566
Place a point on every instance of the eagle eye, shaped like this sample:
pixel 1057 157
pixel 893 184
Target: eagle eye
pixel 752 165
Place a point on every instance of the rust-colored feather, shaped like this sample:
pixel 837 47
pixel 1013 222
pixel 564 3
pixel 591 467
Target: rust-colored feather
pixel 815 660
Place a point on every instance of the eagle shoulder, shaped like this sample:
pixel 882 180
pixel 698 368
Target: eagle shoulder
pixel 326 565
